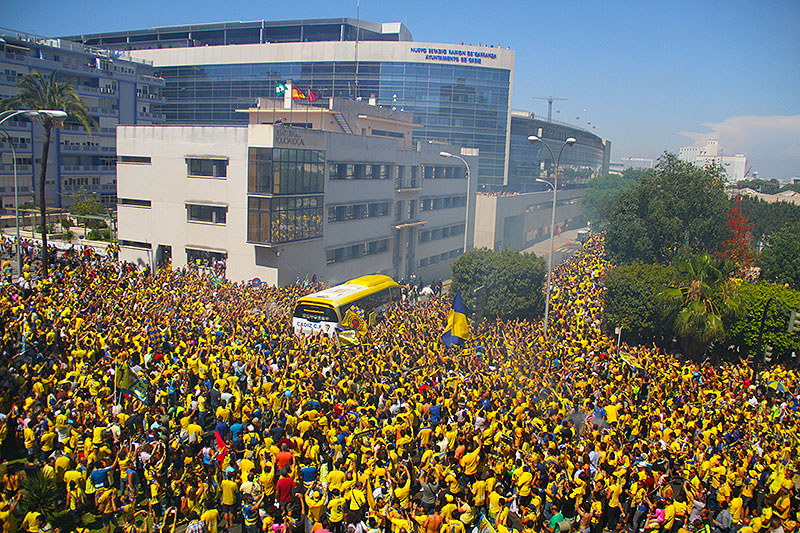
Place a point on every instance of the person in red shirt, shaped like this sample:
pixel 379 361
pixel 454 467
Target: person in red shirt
pixel 284 489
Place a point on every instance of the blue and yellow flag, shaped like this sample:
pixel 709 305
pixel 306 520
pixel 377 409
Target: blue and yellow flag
pixel 129 382
pixel 457 330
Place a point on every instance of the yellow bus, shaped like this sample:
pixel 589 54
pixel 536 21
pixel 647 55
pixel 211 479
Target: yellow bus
pixel 324 310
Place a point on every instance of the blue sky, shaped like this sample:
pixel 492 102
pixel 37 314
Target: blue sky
pixel 644 73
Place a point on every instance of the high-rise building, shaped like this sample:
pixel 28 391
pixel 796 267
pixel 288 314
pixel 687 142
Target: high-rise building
pixel 115 89
pixel 458 94
pixel 711 153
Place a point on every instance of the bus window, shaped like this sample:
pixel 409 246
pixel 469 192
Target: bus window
pixel 395 294
pixel 315 313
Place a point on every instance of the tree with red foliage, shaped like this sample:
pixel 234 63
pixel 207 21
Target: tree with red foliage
pixel 738 248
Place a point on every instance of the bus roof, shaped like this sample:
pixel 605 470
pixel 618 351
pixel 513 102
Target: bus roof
pixel 346 292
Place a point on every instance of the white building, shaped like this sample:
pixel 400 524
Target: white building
pixel 278 202
pixel 712 154
pixel 116 90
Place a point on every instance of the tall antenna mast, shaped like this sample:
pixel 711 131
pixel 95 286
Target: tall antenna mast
pixel 550 100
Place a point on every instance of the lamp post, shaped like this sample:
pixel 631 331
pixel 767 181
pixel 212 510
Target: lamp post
pixel 533 139
pixel 16 199
pixel 28 113
pixel 469 191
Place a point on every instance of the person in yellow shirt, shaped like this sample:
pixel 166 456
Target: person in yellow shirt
pixel 229 489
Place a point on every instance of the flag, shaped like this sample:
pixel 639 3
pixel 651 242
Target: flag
pixel 347 337
pixel 313 96
pixel 129 382
pixel 457 330
pixel 297 94
pixel 484 526
pixel 354 319
pixel 280 89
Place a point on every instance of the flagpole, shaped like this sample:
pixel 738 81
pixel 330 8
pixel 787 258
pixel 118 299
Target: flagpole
pixel 274 102
pixel 290 91
pixel 308 103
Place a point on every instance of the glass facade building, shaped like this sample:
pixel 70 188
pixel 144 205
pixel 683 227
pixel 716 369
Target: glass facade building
pixel 460 105
pixel 587 158
pixel 458 94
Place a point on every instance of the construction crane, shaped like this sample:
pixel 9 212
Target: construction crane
pixel 550 100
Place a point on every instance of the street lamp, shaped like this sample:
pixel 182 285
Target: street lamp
pixel 30 114
pixel 469 191
pixel 533 139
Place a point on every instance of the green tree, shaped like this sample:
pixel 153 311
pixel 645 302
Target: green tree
pixel 675 210
pixel 513 282
pixel 763 186
pixel 699 301
pixel 768 217
pixel 743 331
pixel 602 188
pixel 88 205
pixel 629 301
pixel 37 93
pixel 780 259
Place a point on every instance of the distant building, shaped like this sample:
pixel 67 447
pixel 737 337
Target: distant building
pixel 277 202
pixel 712 154
pixel 116 89
pixel 588 158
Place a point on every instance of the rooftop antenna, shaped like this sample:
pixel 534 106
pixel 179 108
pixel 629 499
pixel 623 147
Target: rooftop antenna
pixel 550 100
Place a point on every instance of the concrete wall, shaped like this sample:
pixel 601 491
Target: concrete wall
pixel 517 221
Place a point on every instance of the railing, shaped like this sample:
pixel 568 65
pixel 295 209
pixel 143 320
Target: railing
pixel 145 114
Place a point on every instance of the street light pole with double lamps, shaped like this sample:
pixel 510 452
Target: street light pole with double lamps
pixel 5 115
pixel 469 190
pixel 533 139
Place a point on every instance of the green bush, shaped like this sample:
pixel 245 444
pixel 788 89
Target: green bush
pixel 513 282
pixel 780 259
pixel 630 301
pixel 743 332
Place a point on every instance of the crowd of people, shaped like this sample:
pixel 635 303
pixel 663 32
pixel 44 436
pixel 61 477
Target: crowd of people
pixel 237 423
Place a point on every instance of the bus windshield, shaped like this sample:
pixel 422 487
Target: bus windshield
pixel 315 312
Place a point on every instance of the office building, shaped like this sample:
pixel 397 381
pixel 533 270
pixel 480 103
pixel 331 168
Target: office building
pixel 711 153
pixel 277 202
pixel 116 90
pixel 458 94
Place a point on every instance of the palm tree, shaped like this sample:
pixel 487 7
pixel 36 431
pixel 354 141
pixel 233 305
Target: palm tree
pixel 37 93
pixel 700 299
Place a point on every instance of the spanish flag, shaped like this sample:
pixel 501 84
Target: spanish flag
pixel 297 94
pixel 457 330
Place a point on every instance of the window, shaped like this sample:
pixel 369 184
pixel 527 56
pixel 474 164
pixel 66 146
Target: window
pixel 206 213
pixel 284 171
pixel 207 167
pixel 343 213
pixel 204 257
pixel 135 244
pixel 354 251
pixel 443 202
pixel 384 133
pixel 134 159
pixel 359 171
pixel 277 220
pixel 134 202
